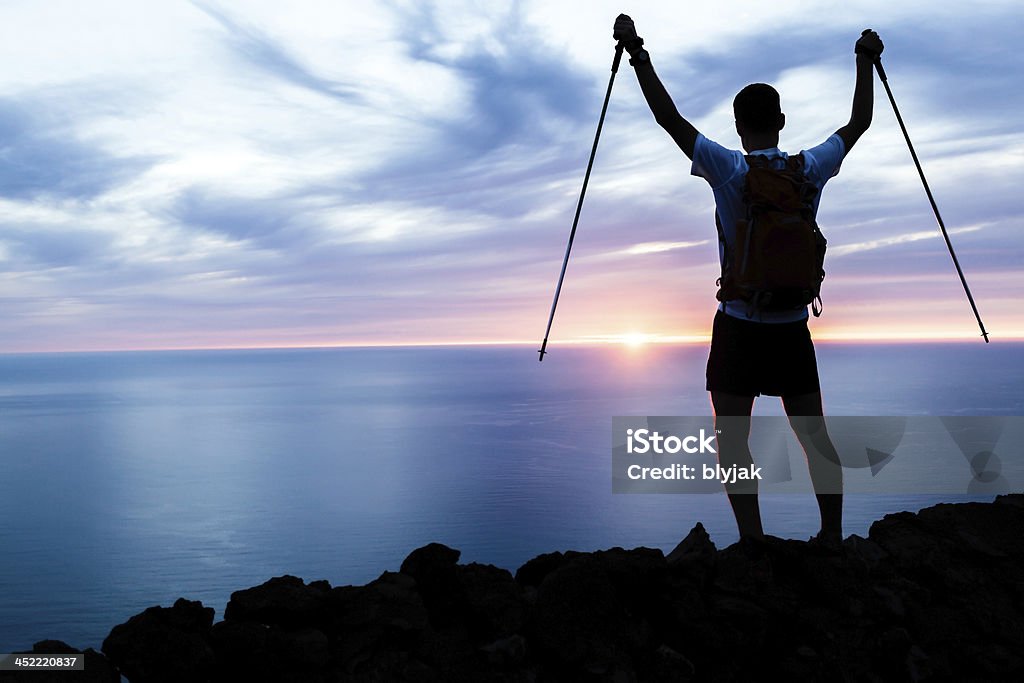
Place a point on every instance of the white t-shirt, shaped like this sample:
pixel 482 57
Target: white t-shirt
pixel 726 169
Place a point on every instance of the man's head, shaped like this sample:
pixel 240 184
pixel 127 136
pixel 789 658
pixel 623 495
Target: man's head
pixel 758 112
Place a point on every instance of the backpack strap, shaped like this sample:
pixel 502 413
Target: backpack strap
pixel 726 258
pixel 796 163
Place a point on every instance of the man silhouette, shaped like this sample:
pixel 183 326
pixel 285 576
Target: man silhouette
pixel 771 353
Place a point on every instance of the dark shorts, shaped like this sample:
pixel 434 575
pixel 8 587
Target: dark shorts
pixel 750 358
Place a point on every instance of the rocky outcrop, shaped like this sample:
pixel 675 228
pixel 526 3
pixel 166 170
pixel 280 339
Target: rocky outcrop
pixel 932 596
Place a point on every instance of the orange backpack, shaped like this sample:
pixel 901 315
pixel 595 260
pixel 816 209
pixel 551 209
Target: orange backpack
pixel 776 262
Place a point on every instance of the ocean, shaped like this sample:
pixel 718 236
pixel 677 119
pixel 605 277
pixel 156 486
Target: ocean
pixel 131 479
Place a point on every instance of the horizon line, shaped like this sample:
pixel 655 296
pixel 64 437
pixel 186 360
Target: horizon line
pixel 626 341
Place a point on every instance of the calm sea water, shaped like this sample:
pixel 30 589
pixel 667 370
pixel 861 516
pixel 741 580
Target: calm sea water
pixel 131 479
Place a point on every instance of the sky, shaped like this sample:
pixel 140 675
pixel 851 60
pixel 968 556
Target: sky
pixel 198 174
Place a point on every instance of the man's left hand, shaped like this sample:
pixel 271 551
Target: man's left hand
pixel 625 31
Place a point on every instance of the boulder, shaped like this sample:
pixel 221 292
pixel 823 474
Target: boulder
pixel 284 601
pixel 164 644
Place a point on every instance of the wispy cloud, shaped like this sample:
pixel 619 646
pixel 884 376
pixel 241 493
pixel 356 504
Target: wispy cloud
pixel 659 247
pixel 270 58
pixel 42 154
pixel 870 245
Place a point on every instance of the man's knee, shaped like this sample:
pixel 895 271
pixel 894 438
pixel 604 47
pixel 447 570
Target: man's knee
pixel 803 404
pixel 731 436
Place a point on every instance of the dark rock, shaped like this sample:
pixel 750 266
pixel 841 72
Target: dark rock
pixel 494 603
pixel 247 651
pixel 506 652
pixel 284 601
pixel 305 649
pixel 481 603
pixel 866 553
pixel 696 546
pixel 434 568
pixel 533 572
pixel 669 665
pixel 1015 499
pixel 634 571
pixel 956 569
pixel 242 650
pixel 593 614
pixel 375 627
pixel 431 559
pixel 164 644
pixel 694 563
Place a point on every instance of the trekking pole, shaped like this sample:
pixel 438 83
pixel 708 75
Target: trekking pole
pixel 935 208
pixel 583 192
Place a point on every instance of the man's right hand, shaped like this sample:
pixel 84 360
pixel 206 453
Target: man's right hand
pixel 869 44
pixel 625 32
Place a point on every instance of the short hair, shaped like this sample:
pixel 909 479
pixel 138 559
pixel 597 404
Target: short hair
pixel 757 108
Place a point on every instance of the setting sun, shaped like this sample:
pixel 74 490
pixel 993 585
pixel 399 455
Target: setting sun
pixel 636 339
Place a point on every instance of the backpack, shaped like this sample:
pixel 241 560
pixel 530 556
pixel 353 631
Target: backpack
pixel 777 260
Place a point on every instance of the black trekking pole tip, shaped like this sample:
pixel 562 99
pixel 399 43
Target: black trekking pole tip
pixel 542 352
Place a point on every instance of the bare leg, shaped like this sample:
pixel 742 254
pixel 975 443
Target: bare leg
pixel 822 460
pixel 732 421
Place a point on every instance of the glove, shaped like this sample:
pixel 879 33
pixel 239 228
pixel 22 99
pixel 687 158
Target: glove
pixel 869 44
pixel 625 32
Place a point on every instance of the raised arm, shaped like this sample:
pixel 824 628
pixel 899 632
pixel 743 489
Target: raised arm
pixel 664 110
pixel 868 49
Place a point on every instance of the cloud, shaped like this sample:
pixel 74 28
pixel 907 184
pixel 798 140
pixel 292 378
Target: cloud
pixel 514 102
pixel 257 220
pixel 271 58
pixel 659 247
pixel 40 154
pixel 641 249
pixel 48 249
pixel 870 245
